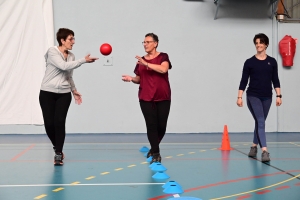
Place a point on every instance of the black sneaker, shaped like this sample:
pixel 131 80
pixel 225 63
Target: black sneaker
pixel 63 155
pixel 155 158
pixel 149 153
pixel 58 159
pixel 253 152
pixel 265 156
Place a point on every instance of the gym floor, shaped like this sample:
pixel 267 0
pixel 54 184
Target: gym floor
pixel 111 166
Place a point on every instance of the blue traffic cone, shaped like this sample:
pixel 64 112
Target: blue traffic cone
pixel 158 168
pixel 173 189
pixel 167 184
pixel 153 164
pixel 160 175
pixel 149 159
pixel 144 149
pixel 185 198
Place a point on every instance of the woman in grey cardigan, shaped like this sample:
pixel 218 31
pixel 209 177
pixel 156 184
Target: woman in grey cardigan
pixel 57 85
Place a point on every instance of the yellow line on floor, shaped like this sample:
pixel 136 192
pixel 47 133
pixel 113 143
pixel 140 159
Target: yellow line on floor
pixel 168 157
pixel 41 196
pixel 144 162
pixel 118 169
pixel 295 144
pixel 74 183
pixel 202 150
pixel 131 165
pixel 191 152
pixel 89 178
pixel 58 189
pixel 104 173
pixel 234 195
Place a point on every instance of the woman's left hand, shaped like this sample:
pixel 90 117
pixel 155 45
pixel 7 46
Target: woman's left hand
pixel 77 97
pixel 140 61
pixel 278 101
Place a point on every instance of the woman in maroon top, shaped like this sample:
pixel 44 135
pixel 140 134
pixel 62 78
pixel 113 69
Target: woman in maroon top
pixel 154 92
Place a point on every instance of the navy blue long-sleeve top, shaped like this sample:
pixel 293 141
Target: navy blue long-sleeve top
pixel 262 74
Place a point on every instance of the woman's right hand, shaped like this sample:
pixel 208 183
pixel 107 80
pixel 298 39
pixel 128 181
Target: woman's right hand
pixel 90 59
pixel 239 102
pixel 126 78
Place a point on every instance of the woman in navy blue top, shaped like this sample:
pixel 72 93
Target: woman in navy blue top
pixel 263 72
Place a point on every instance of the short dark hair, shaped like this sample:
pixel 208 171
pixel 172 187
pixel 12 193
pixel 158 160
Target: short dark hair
pixel 63 33
pixel 155 37
pixel 262 37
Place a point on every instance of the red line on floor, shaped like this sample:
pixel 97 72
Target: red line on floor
pixel 244 197
pixel 282 187
pixel 23 152
pixel 226 182
pixel 263 191
pixel 160 197
pixel 297 184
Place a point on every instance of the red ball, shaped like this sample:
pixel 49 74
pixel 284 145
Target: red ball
pixel 105 49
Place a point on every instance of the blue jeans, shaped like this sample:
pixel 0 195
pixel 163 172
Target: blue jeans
pixel 259 108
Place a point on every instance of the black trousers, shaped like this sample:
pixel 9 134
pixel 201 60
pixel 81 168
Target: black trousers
pixel 156 117
pixel 55 107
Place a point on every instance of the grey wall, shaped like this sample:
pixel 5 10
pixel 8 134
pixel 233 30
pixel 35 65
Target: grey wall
pixel 207 57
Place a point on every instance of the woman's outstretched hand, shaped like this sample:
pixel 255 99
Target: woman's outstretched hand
pixel 126 78
pixel 90 59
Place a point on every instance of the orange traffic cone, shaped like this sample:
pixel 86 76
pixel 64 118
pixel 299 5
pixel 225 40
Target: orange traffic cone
pixel 225 140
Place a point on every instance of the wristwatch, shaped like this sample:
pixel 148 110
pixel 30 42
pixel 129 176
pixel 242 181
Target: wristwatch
pixel 280 96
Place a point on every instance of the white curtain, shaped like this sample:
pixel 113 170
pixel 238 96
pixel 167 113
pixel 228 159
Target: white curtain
pixel 26 32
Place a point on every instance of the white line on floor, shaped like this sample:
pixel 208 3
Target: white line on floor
pixel 94 184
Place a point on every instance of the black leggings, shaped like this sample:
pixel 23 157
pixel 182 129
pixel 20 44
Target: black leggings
pixel 156 117
pixel 55 108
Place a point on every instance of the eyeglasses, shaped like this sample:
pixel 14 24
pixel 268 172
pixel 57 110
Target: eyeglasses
pixel 147 42
pixel 71 39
